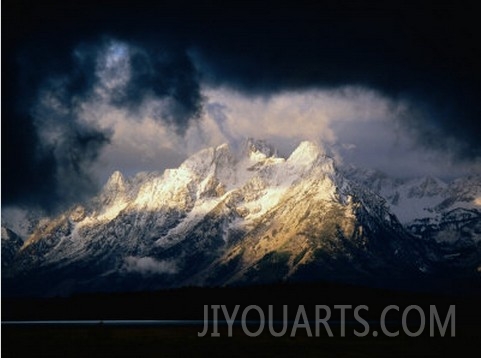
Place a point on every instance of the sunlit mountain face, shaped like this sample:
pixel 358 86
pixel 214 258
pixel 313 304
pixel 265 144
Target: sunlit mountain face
pixel 248 216
pixel 172 145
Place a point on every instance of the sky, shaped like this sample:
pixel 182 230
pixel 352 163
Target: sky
pixel 91 88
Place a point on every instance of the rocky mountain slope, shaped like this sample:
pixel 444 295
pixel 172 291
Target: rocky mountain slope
pixel 445 213
pixel 226 218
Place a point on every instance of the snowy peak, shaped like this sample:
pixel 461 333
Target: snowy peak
pixel 198 163
pixel 258 149
pixel 116 182
pixel 426 187
pixel 308 156
pixel 306 153
pixel 116 178
pixel 429 207
pixel 227 216
pixel 113 195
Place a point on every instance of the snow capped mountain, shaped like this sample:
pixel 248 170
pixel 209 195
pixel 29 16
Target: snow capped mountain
pixel 428 206
pixel 444 216
pixel 226 217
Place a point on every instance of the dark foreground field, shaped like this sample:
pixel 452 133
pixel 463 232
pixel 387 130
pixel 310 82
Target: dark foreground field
pixel 105 341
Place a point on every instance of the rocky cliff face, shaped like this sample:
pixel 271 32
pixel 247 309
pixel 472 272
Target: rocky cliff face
pixel 239 218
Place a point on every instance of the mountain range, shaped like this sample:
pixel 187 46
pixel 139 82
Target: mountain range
pixel 244 217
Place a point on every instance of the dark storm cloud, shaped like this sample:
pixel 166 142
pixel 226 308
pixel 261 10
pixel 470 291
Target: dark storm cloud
pixel 425 53
pixel 134 71
pixel 38 172
pixel 163 74
pixel 48 149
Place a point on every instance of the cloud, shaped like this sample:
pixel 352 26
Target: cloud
pixel 292 116
pixel 357 125
pixel 129 75
pixel 140 142
pixel 70 67
pixel 55 134
pixel 149 266
pixel 407 52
